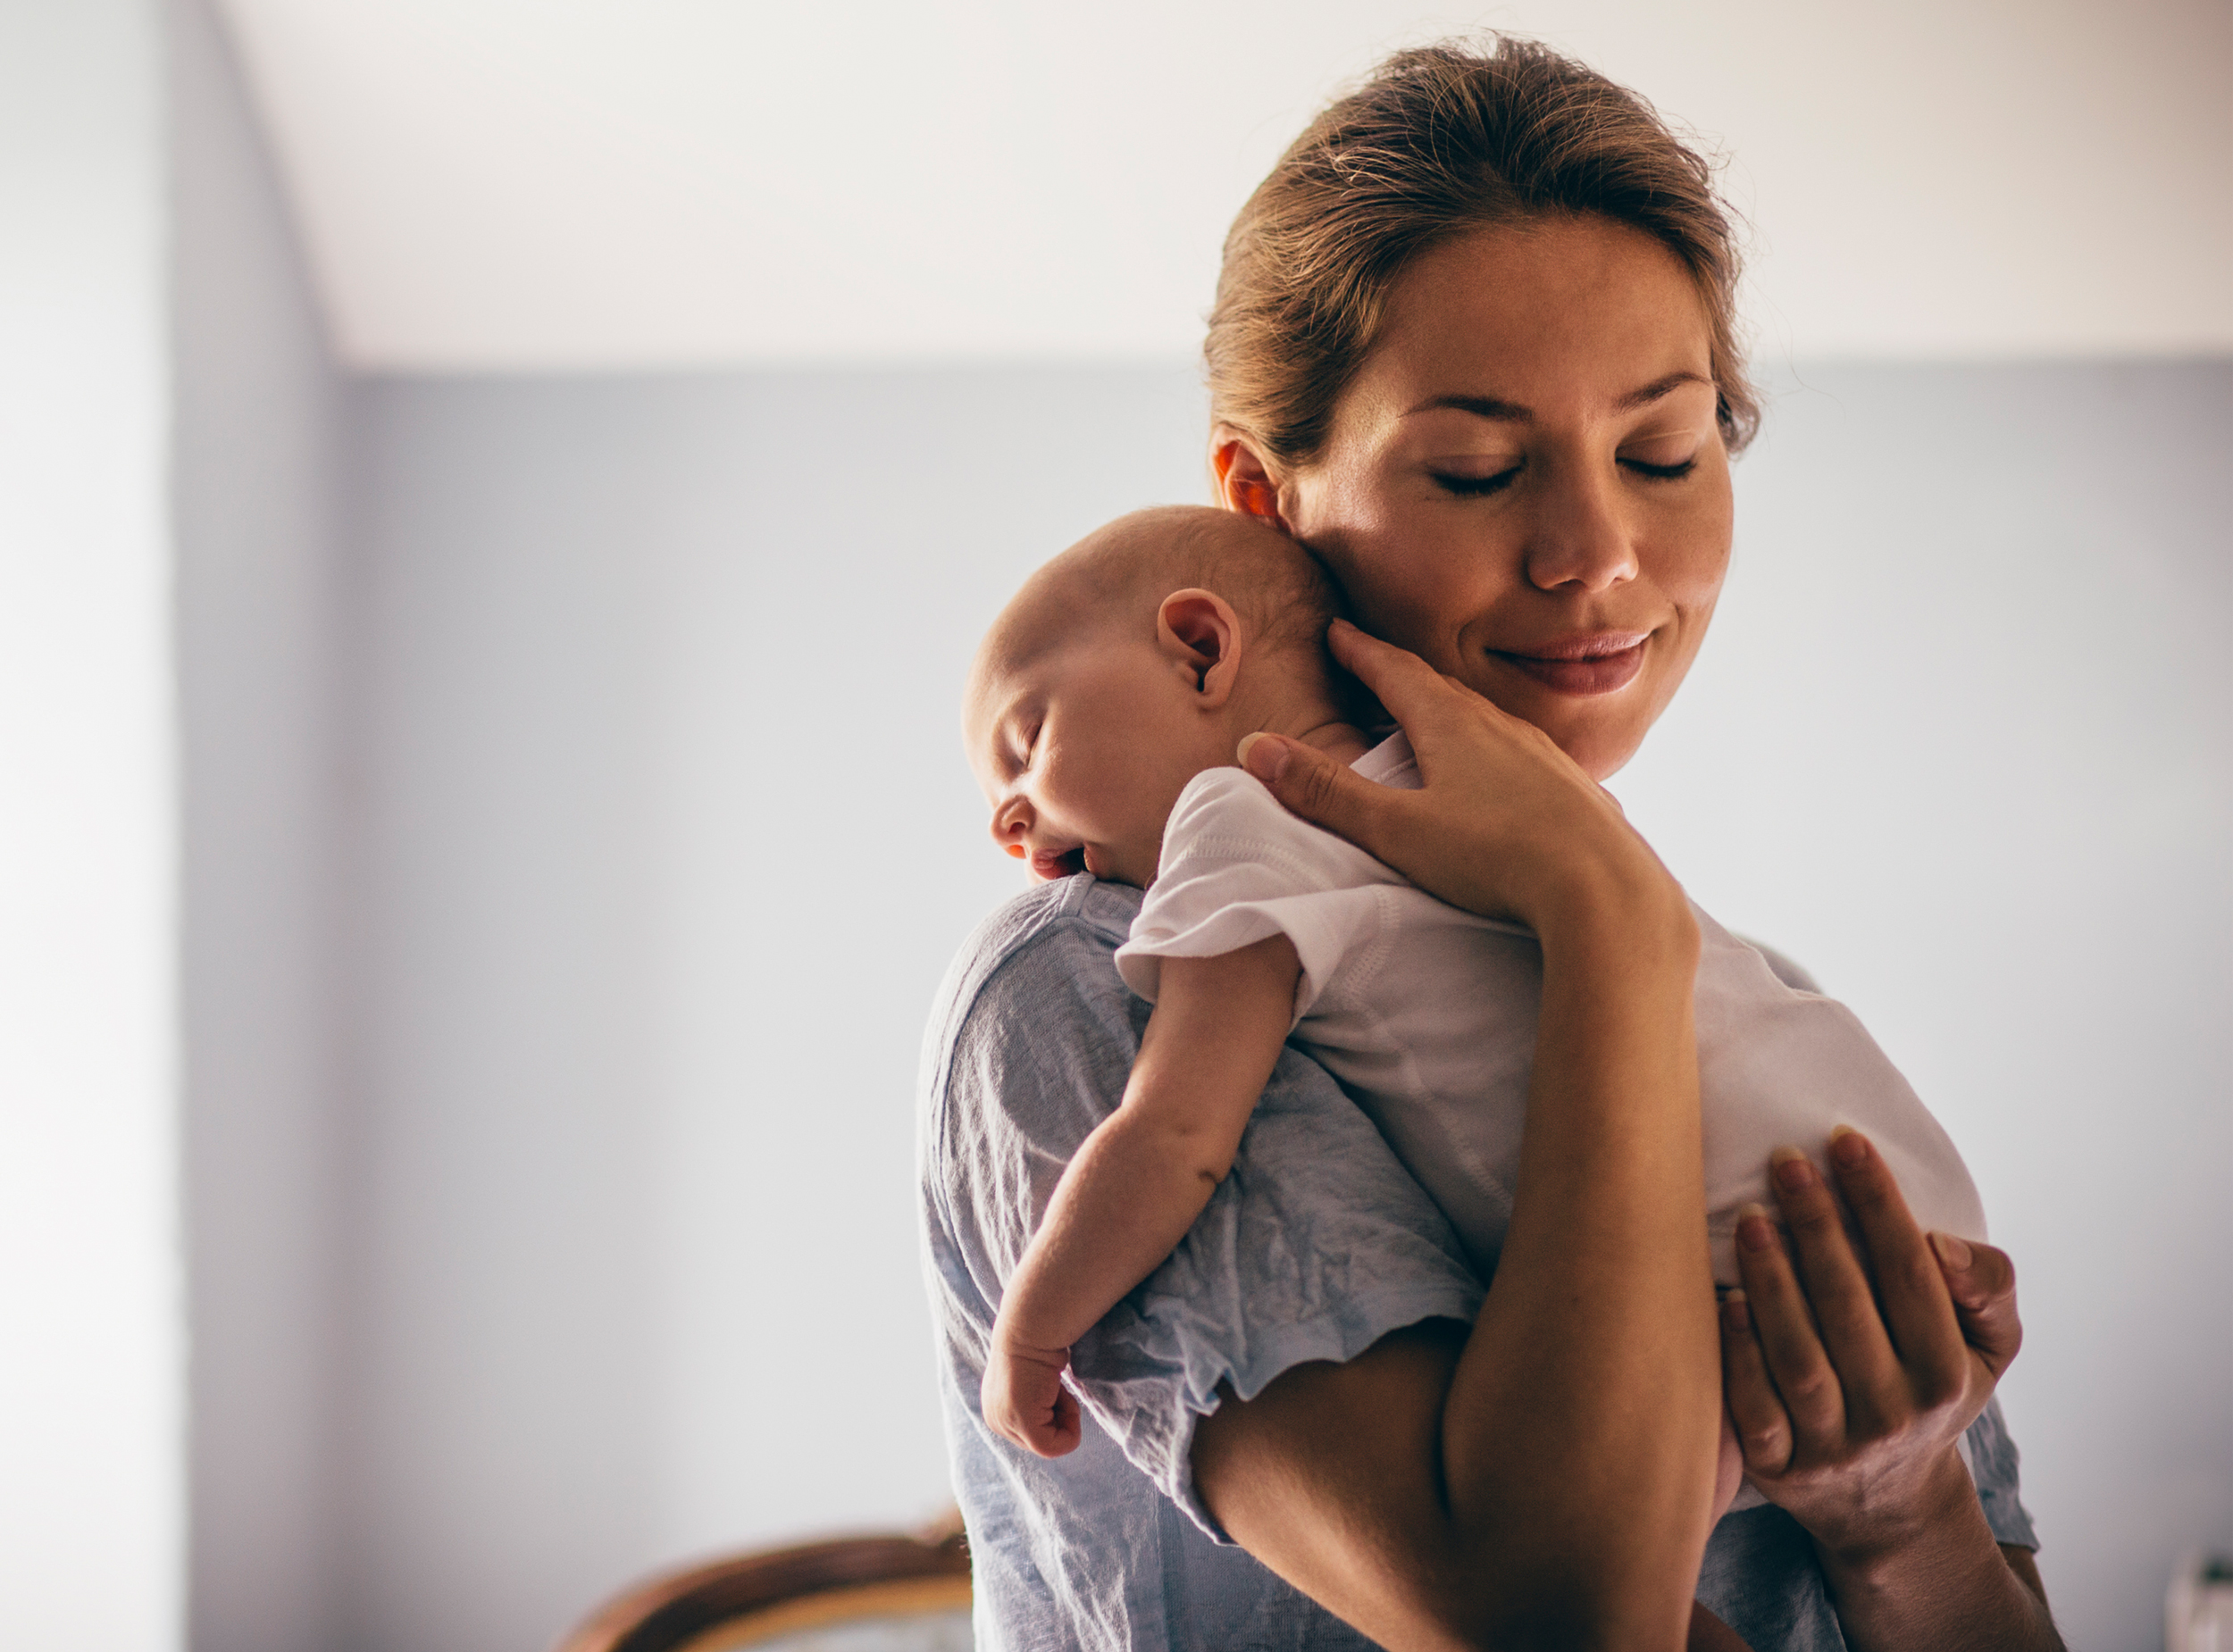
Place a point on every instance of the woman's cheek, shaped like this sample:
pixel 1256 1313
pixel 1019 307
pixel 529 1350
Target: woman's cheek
pixel 1692 541
pixel 1394 585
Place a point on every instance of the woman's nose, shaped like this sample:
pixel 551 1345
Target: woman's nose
pixel 1580 537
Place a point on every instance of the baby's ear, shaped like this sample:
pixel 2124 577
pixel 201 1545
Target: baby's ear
pixel 1199 631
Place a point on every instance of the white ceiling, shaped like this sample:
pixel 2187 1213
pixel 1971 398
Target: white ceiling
pixel 588 184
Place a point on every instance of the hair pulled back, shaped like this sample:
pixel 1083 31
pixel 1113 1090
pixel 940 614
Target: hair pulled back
pixel 1441 140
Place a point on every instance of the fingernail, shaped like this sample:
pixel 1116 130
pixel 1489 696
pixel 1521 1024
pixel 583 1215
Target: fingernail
pixel 1736 1314
pixel 1270 756
pixel 1953 1252
pixel 1793 1169
pixel 1849 1146
pixel 1753 1231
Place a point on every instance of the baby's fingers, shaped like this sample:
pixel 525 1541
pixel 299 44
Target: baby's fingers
pixel 1050 1428
pixel 1026 1403
pixel 1060 1435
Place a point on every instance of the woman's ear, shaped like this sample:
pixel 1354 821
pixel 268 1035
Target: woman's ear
pixel 1198 630
pixel 1245 480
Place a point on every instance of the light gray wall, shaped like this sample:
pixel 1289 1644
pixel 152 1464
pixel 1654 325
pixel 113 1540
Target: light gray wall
pixel 91 1338
pixel 1962 740
pixel 667 839
pixel 257 492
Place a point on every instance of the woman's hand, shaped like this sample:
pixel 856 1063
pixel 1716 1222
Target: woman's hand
pixel 1848 1400
pixel 1846 1413
pixel 1507 825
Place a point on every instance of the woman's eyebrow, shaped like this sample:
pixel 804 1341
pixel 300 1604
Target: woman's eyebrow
pixel 1658 387
pixel 1513 412
pixel 1480 406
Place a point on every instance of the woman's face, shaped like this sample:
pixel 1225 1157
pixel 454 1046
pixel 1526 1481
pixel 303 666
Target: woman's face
pixel 1525 482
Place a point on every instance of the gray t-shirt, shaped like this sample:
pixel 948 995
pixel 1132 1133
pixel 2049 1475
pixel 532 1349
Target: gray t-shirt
pixel 1316 1246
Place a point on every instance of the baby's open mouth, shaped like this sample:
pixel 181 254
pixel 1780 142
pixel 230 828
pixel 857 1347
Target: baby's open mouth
pixel 1048 867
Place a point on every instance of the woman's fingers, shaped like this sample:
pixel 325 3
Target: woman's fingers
pixel 1431 706
pixel 1917 1310
pixel 1413 692
pixel 1764 1431
pixel 1982 1280
pixel 1836 1285
pixel 1728 1460
pixel 1801 1372
pixel 1314 787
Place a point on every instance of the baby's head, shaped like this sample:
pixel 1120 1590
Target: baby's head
pixel 1130 664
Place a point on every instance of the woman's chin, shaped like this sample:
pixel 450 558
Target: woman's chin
pixel 1599 732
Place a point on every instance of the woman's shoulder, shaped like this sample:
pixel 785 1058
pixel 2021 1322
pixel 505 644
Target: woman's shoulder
pixel 1051 928
pixel 1033 997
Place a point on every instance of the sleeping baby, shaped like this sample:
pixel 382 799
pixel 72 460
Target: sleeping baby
pixel 1103 715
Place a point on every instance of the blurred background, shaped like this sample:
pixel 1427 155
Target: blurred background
pixel 495 501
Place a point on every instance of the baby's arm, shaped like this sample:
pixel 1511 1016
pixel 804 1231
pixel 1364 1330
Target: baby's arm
pixel 1140 1179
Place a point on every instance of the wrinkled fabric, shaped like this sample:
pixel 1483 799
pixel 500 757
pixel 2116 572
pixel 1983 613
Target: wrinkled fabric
pixel 1426 1015
pixel 1314 1247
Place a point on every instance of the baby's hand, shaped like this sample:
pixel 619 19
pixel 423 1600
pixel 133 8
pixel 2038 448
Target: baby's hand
pixel 1024 1401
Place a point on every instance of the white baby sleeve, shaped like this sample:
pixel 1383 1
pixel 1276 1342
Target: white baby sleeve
pixel 1236 867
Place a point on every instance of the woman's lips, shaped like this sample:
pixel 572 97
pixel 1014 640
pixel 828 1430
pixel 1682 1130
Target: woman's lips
pixel 1597 664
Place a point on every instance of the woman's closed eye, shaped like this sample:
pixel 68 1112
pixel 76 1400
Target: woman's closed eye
pixel 1662 473
pixel 1474 484
pixel 1661 458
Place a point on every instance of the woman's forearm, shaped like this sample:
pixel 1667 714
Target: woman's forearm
pixel 1542 1478
pixel 1545 1477
pixel 1582 1421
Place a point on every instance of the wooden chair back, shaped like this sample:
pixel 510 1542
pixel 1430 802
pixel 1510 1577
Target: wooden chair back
pixel 753 1599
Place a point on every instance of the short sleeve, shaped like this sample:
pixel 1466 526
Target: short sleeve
pixel 1236 867
pixel 1992 1460
pixel 1315 1245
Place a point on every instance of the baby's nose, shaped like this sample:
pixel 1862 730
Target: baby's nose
pixel 1009 823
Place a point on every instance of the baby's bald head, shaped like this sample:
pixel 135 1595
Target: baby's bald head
pixel 1131 664
pixel 1115 579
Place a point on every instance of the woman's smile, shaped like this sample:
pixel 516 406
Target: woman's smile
pixel 1591 663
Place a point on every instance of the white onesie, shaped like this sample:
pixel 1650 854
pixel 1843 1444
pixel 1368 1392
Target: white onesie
pixel 1427 1016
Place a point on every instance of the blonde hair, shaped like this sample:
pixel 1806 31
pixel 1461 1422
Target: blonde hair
pixel 1439 141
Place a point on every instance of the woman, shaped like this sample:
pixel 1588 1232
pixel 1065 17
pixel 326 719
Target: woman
pixel 1474 342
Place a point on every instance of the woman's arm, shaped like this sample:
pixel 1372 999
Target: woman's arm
pixel 1546 1478
pixel 1848 1412
pixel 1142 1178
